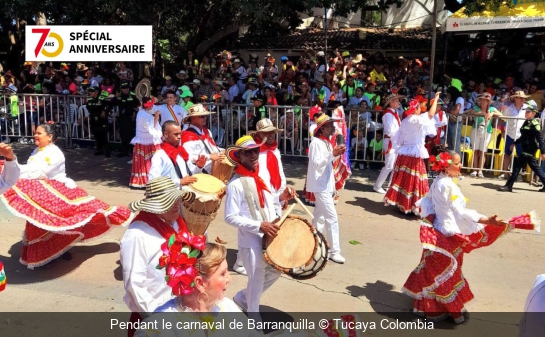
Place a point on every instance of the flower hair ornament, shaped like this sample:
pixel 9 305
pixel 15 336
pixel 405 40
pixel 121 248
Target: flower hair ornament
pixel 180 257
pixel 149 103
pixel 313 111
pixel 411 109
pixel 441 161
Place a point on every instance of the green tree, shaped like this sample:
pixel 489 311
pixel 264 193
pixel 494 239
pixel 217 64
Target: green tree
pixel 476 6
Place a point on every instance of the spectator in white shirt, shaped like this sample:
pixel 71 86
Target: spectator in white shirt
pixel 233 90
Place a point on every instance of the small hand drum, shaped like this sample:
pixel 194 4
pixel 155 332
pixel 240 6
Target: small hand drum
pixel 199 213
pixel 298 250
pixel 223 170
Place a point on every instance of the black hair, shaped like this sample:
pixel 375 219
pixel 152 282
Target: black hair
pixel 52 129
pixel 168 123
pixel 441 148
pixel 169 92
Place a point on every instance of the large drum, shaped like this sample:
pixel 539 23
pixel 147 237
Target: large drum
pixel 199 213
pixel 223 170
pixel 298 250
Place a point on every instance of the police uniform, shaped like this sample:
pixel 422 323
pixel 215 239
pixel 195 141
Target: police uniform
pixel 99 122
pixel 127 105
pixel 531 140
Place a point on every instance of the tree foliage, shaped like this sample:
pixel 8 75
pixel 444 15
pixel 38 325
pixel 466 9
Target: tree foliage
pixel 477 6
pixel 185 24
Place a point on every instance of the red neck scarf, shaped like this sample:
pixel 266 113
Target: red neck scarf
pixel 394 113
pixel 163 228
pixel 172 152
pixel 272 162
pixel 259 183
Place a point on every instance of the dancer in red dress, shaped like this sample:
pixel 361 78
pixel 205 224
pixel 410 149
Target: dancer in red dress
pixel 410 179
pixel 58 213
pixel 146 142
pixel 448 231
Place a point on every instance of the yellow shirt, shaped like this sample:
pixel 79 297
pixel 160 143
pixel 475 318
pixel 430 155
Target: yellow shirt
pixel 377 77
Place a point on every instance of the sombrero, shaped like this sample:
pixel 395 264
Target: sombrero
pixel 196 110
pixel 242 144
pixel 265 125
pixel 520 94
pixel 161 195
pixel 390 98
pixel 323 120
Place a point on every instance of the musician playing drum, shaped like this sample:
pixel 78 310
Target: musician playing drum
pixel 251 207
pixel 270 164
pixel 197 139
pixel 171 160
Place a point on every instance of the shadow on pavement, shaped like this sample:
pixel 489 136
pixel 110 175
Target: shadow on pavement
pixel 81 164
pixel 118 272
pixel 20 274
pixel 378 208
pixel 394 305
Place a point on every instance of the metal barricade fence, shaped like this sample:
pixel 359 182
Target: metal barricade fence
pixel 231 121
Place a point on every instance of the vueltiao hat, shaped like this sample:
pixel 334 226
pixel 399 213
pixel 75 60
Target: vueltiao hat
pixel 196 110
pixel 323 120
pixel 242 144
pixel 519 93
pixel 161 194
pixel 264 125
pixel 390 98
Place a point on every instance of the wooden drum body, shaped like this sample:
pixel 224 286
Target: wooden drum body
pixel 223 170
pixel 199 213
pixel 298 250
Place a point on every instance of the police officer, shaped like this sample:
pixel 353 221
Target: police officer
pixel 99 121
pixel 531 140
pixel 127 105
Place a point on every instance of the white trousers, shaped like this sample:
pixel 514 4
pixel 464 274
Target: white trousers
pixel 260 277
pixel 389 163
pixel 325 215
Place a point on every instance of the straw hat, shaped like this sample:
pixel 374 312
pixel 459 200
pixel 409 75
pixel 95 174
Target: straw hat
pixel 196 110
pixel 161 195
pixel 242 144
pixel 485 96
pixel 265 125
pixel 390 98
pixel 323 120
pixel 358 58
pixel 519 93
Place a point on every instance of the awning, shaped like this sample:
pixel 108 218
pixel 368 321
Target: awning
pixel 525 14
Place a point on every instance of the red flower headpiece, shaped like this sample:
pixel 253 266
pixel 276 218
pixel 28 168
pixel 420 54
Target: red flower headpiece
pixel 441 161
pixel 217 96
pixel 149 103
pixel 180 254
pixel 411 109
pixel 313 111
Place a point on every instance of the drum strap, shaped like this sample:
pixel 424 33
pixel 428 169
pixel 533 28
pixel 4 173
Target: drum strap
pixel 251 196
pixel 177 168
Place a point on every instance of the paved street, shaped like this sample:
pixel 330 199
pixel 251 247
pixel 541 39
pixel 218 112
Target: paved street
pixel 500 276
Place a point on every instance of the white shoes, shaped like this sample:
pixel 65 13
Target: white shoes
pixel 379 190
pixel 338 258
pixel 239 269
pixel 473 174
pixel 129 162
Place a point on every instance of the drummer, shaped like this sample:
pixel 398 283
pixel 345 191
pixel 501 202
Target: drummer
pixel 251 207
pixel 270 168
pixel 197 139
pixel 171 159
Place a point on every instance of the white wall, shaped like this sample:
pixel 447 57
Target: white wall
pixel 353 19
pixel 414 13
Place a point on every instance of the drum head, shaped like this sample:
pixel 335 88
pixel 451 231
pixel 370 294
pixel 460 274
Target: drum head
pixel 293 246
pixel 206 183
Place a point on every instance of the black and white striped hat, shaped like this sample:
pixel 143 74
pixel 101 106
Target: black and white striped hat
pixel 161 195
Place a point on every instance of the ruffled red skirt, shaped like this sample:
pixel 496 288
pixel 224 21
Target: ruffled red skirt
pixel 141 164
pixel 409 183
pixel 58 217
pixel 437 283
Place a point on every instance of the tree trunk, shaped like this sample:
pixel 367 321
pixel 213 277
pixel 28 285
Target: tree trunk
pixel 207 44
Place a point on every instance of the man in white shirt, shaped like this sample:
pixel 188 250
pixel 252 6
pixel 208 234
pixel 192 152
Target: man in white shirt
pixel 197 140
pixel 171 111
pixel 321 182
pixel 10 171
pixel 158 219
pixel 171 160
pixel 391 123
pixel 533 322
pixel 512 128
pixel 251 207
pixel 233 90
pixel 270 167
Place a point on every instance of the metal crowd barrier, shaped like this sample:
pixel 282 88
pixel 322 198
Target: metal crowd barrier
pixel 231 121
